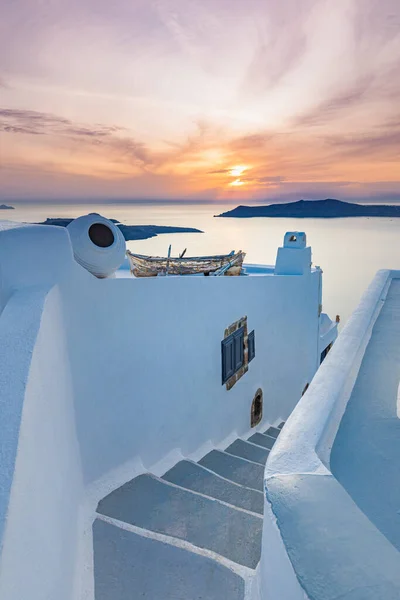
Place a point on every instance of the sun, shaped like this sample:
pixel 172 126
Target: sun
pixel 237 182
pixel 238 170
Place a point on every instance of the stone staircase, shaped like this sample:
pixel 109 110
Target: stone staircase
pixel 193 534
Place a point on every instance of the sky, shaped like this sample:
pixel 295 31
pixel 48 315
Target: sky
pixel 214 100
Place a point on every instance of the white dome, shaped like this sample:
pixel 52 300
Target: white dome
pixel 98 244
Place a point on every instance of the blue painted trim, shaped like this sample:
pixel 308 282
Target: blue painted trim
pixel 232 354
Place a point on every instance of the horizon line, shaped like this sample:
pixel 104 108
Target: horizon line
pixel 166 201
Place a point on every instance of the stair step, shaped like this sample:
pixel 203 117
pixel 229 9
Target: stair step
pixel 234 468
pixel 127 566
pixel 273 432
pixel 153 504
pixel 263 440
pixel 248 451
pixel 195 477
pixel 280 426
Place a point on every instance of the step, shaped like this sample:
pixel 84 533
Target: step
pixel 280 426
pixel 151 503
pixel 273 432
pixel 234 468
pixel 263 440
pixel 128 566
pixel 248 451
pixel 193 476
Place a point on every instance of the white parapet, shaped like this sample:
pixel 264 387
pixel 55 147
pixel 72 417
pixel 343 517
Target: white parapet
pixel 317 538
pixel 32 256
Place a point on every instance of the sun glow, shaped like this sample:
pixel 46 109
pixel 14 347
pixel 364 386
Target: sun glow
pixel 238 170
pixel 237 182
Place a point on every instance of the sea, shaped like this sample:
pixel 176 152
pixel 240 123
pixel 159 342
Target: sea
pixel 350 251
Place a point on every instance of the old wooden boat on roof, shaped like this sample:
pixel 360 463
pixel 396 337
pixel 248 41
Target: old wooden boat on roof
pixel 151 266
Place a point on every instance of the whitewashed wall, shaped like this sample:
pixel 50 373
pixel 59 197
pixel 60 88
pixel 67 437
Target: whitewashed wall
pixel 146 361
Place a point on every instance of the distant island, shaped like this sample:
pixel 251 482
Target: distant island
pixel 5 207
pixel 314 209
pixel 131 232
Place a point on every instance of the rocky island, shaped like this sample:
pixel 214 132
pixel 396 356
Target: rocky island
pixel 131 232
pixel 315 209
pixel 5 207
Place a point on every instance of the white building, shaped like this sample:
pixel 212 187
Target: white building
pixel 137 416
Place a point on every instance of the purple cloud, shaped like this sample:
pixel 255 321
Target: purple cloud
pixel 30 122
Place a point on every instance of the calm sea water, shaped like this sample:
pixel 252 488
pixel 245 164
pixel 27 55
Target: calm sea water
pixel 350 251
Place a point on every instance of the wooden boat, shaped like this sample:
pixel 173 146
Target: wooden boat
pixel 151 266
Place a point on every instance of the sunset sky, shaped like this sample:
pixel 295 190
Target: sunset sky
pixel 200 99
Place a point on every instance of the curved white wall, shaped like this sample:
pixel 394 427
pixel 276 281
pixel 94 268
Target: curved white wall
pixel 41 533
pixel 315 422
pixel 40 475
pixel 320 528
pixel 19 327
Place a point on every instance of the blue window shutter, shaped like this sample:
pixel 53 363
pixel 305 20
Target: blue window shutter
pixel 227 352
pixel 239 348
pixel 251 342
pixel 232 354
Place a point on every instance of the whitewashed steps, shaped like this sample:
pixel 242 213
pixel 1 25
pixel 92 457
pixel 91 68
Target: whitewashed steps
pixel 234 468
pixel 263 440
pixel 191 535
pixel 150 503
pixel 194 477
pixel 131 567
pixel 248 451
pixel 273 432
